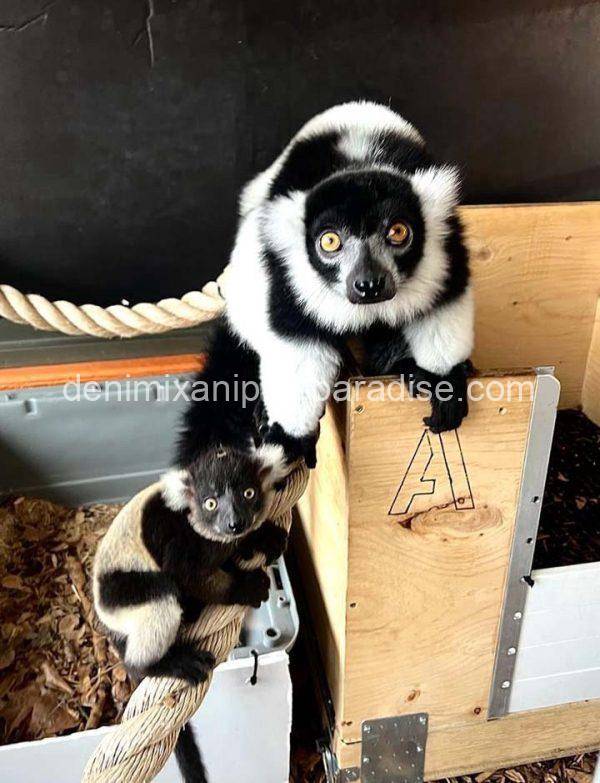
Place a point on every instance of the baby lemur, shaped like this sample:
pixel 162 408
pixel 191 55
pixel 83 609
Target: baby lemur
pixel 158 569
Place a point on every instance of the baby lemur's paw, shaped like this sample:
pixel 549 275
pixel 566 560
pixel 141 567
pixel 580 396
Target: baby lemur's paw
pixel 269 539
pixel 252 588
pixel 189 664
pixel 273 541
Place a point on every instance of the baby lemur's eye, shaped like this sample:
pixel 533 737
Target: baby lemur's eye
pixel 210 504
pixel 249 493
pixel 398 233
pixel 330 241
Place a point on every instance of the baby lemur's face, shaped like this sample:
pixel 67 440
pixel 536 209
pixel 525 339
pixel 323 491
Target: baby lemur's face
pixel 225 493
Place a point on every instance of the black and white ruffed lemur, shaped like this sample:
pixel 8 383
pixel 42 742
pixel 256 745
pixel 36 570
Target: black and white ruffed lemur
pixel 351 232
pixel 154 572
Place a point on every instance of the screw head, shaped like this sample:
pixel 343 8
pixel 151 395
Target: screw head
pixel 511 651
pixel 366 760
pixel 505 684
pixel 367 729
pixel 518 615
pixel 359 408
pixel 422 719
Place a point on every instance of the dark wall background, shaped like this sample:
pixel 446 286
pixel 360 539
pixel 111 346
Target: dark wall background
pixel 121 152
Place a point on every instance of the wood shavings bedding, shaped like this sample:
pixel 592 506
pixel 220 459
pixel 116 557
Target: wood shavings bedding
pixel 57 671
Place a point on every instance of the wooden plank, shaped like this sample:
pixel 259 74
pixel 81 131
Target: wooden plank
pixel 536 272
pixel 590 397
pixel 110 369
pixel 322 550
pixel 425 582
pixel 515 739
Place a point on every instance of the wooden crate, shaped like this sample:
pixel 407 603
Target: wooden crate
pixel 536 273
pixel 406 538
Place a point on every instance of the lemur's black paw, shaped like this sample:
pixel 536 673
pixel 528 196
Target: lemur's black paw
pixel 273 541
pixel 446 415
pixel 189 664
pixel 246 549
pixel 448 395
pixel 294 448
pixel 252 588
pixel 269 539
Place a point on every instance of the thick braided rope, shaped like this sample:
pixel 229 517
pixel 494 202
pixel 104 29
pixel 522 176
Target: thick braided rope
pixel 195 307
pixel 138 749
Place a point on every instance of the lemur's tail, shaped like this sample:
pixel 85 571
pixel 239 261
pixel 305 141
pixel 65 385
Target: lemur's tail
pixel 188 757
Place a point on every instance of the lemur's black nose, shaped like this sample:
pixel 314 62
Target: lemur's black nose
pixel 370 287
pixel 235 526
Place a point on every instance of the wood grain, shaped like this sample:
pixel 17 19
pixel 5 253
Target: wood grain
pixel 321 546
pixel 425 586
pixel 590 398
pixel 497 744
pixel 536 273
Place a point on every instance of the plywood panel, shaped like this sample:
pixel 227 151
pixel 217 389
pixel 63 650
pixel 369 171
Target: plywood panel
pixel 515 739
pixel 590 397
pixel 322 548
pixel 428 554
pixel 536 271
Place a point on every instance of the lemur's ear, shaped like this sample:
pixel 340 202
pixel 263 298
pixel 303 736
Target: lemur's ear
pixel 174 489
pixel 438 188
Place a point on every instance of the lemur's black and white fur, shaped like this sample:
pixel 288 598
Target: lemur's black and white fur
pixel 222 417
pixel 159 568
pixel 352 231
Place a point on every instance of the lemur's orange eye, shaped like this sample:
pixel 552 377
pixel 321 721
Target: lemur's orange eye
pixel 330 241
pixel 398 233
pixel 210 504
pixel 249 493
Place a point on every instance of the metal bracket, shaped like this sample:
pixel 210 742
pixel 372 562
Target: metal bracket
pixel 393 749
pixel 333 774
pixel 519 581
pixel 329 762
